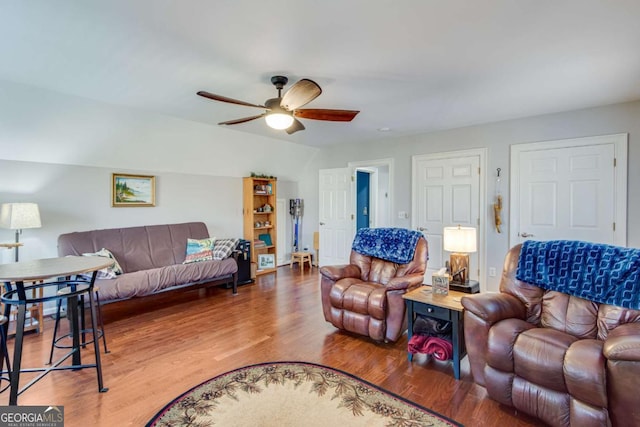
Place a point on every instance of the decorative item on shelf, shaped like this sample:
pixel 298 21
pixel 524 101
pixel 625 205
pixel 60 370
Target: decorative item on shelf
pixel 460 241
pixel 18 216
pixel 261 175
pixel 266 208
pixel 267 223
pixel 263 189
pixel 497 206
pixel 258 224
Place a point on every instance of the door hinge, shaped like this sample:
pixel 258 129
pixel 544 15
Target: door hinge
pixel 614 226
pixel 352 217
pixel 478 171
pixel 353 178
pixel 615 162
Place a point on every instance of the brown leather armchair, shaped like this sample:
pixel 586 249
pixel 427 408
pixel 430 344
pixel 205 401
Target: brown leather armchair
pixel 563 359
pixel 365 296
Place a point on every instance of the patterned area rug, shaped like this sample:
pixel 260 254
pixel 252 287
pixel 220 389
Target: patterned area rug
pixel 292 394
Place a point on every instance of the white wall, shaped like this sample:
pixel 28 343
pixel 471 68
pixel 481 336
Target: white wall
pixel 78 198
pixel 59 151
pixel 44 126
pixel 498 137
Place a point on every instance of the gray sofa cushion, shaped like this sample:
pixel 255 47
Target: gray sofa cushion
pixel 147 282
pixel 136 248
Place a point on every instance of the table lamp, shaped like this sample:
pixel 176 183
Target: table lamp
pixel 460 241
pixel 17 216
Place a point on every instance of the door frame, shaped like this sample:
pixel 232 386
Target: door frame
pixel 620 143
pixel 371 166
pixel 482 154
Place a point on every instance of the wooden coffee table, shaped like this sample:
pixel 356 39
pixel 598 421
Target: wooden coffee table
pixel 444 307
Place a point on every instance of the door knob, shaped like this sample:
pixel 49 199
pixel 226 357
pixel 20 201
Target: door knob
pixel 525 235
pixel 423 229
pixel 322 223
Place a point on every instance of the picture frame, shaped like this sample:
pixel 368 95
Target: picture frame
pixel 440 284
pixel 133 190
pixel 266 261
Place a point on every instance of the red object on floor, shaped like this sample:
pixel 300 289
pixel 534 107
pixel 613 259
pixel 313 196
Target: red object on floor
pixel 440 348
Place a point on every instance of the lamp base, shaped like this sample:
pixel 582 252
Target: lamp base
pixel 459 265
pixel 471 287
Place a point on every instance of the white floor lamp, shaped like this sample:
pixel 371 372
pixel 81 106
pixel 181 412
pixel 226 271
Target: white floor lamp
pixel 18 216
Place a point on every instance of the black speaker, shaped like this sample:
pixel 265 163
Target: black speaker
pixel 244 262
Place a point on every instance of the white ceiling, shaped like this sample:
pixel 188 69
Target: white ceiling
pixel 413 66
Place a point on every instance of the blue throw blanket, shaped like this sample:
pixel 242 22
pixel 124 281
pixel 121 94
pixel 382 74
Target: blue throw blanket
pixel 596 272
pixel 391 244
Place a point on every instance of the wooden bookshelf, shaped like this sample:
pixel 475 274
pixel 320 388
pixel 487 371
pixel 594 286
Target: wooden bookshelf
pixel 259 220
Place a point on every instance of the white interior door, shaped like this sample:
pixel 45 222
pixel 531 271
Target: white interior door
pixel 569 190
pixel 336 216
pixel 446 192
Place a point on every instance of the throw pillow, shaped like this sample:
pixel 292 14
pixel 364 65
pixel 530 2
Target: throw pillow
pixel 199 250
pixel 110 272
pixel 223 248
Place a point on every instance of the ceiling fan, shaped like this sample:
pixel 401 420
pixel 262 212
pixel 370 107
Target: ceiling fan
pixel 283 112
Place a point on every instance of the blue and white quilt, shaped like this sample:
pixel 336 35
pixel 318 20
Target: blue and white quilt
pixel 597 272
pixel 391 244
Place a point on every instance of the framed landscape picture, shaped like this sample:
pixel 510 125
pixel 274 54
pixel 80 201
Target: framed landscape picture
pixel 133 190
pixel 266 261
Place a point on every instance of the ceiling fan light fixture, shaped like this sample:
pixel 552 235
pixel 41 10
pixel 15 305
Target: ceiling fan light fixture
pixel 279 120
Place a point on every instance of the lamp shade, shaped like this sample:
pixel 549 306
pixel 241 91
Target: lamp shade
pixel 18 216
pixel 459 239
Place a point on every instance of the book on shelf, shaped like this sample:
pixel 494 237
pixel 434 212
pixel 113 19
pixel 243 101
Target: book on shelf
pixel 266 238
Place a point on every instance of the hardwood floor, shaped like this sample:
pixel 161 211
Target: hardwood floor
pixel 165 344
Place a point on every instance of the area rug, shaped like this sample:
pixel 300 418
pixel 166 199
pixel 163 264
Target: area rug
pixel 292 394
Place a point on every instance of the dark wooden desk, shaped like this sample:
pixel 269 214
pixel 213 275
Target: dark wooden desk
pixel 443 307
pixel 15 275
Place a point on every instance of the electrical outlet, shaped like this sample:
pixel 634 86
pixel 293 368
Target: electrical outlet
pixel 492 272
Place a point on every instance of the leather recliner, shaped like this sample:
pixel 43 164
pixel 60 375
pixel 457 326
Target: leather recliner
pixel 365 296
pixel 563 359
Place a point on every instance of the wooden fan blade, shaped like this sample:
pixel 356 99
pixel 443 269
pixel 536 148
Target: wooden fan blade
pixel 295 127
pixel 242 120
pixel 229 100
pixel 301 93
pixel 325 114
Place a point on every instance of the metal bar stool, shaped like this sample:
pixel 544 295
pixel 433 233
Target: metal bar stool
pixel 56 340
pixel 5 374
pixel 71 290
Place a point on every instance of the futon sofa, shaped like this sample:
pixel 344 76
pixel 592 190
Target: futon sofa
pixel 554 349
pixel 151 258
